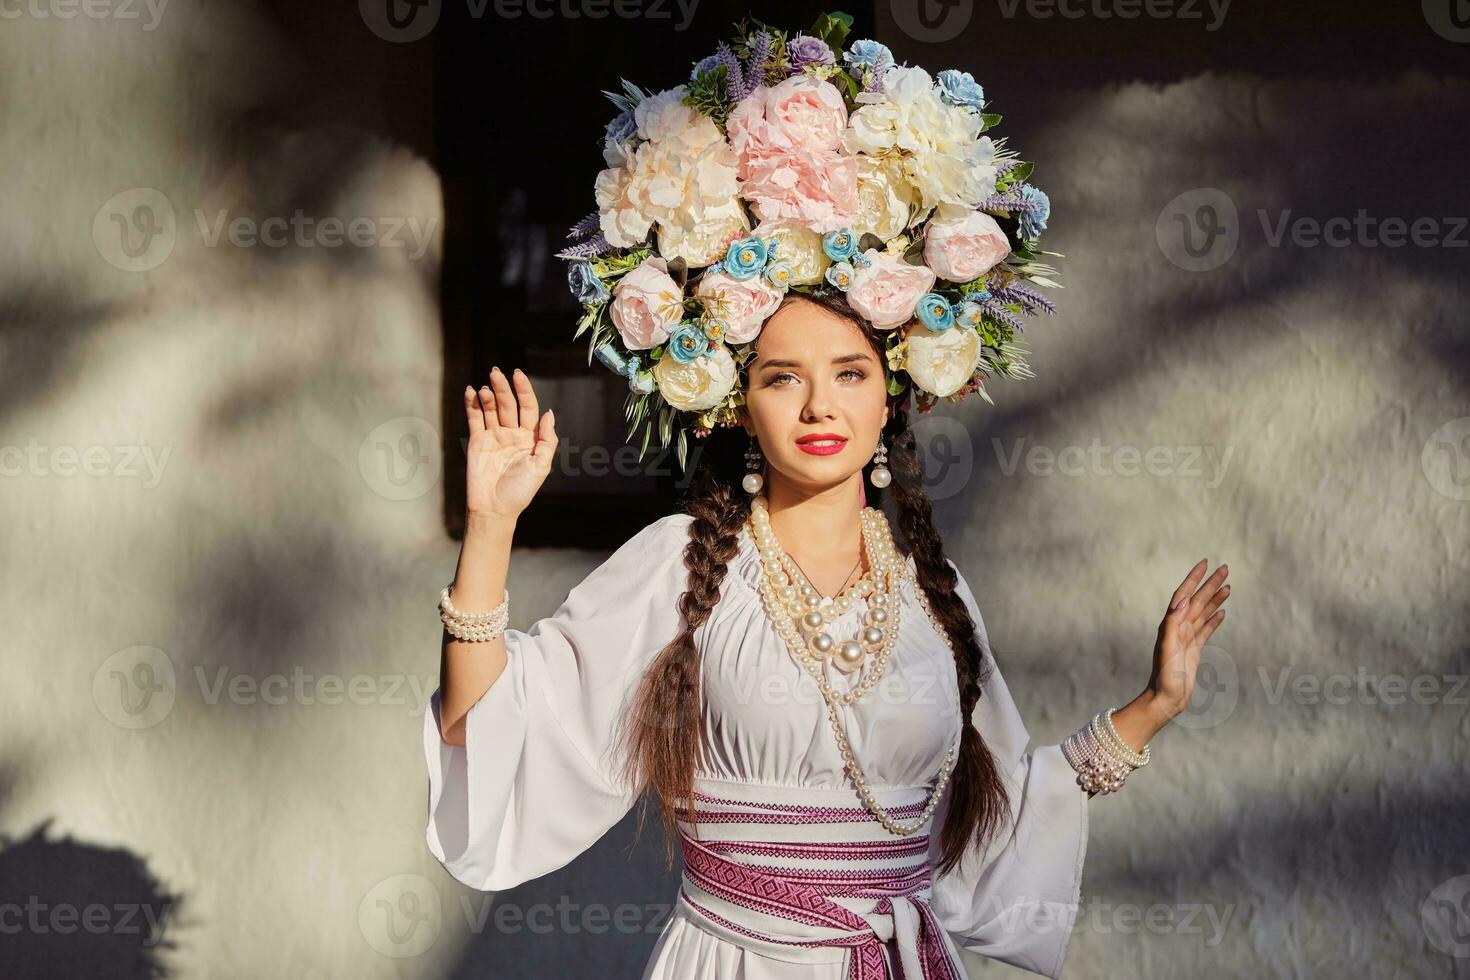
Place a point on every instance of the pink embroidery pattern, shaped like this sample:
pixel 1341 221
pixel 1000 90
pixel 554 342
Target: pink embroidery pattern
pixel 805 894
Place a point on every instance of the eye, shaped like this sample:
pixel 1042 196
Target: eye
pixel 857 373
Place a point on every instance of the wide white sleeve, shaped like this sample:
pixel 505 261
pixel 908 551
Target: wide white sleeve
pixel 534 786
pixel 1017 900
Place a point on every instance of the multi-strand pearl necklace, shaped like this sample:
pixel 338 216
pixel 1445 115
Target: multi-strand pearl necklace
pixel 800 614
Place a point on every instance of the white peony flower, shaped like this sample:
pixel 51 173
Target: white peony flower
pixel 683 180
pixel 798 246
pixel 886 199
pixel 938 145
pixel 941 363
pixel 700 384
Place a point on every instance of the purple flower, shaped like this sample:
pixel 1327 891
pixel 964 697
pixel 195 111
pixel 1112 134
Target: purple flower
pixel 807 50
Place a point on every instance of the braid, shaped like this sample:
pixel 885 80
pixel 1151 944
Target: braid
pixel 664 728
pixel 978 801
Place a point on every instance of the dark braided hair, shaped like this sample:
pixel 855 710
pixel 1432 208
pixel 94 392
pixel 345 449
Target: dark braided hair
pixel 663 729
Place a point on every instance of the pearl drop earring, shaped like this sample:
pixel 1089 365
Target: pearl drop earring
pixel 753 480
pixel 881 476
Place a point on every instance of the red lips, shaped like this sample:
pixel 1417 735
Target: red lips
pixel 805 443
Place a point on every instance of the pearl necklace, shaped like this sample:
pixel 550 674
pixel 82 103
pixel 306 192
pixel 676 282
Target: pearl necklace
pixel 785 602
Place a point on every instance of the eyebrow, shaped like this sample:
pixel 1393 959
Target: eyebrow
pixel 844 359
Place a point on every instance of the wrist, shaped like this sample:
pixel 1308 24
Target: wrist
pixel 484 525
pixel 1156 709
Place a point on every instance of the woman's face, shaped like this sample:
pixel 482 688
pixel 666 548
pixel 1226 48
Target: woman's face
pixel 815 374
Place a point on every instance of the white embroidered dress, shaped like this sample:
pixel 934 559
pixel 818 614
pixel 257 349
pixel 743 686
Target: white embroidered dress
pixel 532 788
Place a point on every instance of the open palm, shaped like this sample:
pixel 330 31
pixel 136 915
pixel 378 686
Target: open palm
pixel 1184 632
pixel 511 447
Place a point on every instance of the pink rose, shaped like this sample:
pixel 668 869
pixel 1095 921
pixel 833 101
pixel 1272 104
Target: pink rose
pixel 646 304
pixel 965 245
pixel 787 142
pixel 886 291
pixel 745 304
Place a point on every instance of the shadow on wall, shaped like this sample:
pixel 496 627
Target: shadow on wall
pixel 598 916
pixel 79 910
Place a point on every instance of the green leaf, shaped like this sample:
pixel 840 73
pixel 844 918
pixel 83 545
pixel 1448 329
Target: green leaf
pixel 833 29
pixel 683 450
pixel 990 120
pixel 1020 172
pixel 895 386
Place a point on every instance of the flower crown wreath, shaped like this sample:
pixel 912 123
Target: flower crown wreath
pixel 793 164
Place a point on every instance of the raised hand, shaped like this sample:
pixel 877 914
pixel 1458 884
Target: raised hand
pixel 1194 614
pixel 511 447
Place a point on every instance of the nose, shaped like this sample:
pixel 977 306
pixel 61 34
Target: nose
pixel 818 403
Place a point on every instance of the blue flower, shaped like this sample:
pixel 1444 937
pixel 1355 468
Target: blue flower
pixel 687 341
pixel 622 127
pixel 958 88
pixel 586 285
pixel 967 314
pixel 935 312
pixel 704 64
pixel 778 274
pixel 1033 220
pixel 840 245
pixel 869 54
pixel 840 275
pixel 745 258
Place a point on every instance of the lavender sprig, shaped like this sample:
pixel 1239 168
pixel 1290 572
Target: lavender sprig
pixel 994 308
pixel 586 226
pixel 760 51
pixel 1018 291
pixel 592 247
pixel 734 74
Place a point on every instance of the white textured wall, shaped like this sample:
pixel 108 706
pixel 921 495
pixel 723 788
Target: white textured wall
pixel 1280 837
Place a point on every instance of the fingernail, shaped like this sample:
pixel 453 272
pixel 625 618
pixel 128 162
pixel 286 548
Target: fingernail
pixel 1178 602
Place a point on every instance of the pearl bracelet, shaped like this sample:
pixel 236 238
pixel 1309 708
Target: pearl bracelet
pixel 1100 756
pixel 473 627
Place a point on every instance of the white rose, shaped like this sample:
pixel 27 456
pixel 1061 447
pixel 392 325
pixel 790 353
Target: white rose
pixel 885 198
pixel 799 247
pixel 698 385
pixel 704 242
pixel 941 363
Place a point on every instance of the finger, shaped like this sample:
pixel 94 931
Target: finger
pixel 1212 624
pixel 505 399
pixel 1176 601
pixel 486 399
pixel 545 449
pixel 1221 594
pixel 1205 591
pixel 473 415
pixel 527 398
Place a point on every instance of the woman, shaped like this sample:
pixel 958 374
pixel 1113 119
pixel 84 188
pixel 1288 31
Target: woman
pixel 678 666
